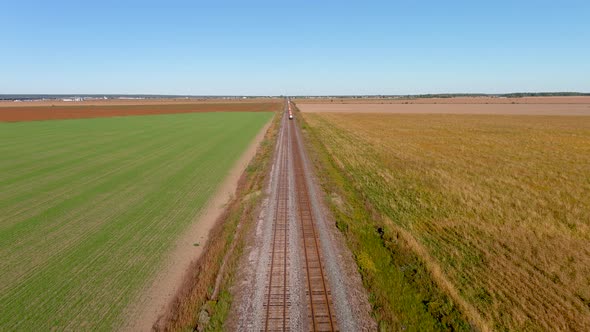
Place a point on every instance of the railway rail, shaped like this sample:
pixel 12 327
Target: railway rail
pixel 277 298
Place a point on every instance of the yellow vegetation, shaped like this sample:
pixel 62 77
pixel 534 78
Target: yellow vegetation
pixel 498 206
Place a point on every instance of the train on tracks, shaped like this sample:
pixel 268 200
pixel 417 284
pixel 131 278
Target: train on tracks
pixel 290 111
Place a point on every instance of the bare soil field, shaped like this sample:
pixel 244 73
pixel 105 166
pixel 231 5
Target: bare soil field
pixel 476 108
pixel 454 100
pixel 32 111
pixel 130 101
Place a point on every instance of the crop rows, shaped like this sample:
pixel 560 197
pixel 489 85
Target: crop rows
pixel 89 208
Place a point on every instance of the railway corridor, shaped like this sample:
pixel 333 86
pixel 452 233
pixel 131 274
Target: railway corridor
pixel 293 199
pixel 291 278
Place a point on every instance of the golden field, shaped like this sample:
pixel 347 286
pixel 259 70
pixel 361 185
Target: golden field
pixel 495 207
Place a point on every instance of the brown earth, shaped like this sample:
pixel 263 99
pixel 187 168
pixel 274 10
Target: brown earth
pixel 505 109
pixel 31 111
pixel 151 101
pixel 454 100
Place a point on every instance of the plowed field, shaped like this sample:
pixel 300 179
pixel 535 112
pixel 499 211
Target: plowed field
pixel 81 110
pixel 417 108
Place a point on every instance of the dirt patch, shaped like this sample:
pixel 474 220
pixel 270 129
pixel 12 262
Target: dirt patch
pixel 122 102
pixel 79 111
pixel 156 299
pixel 505 109
pixel 453 100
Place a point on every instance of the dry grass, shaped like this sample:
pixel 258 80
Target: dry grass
pixel 500 205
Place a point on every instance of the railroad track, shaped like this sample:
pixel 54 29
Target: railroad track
pixel 277 297
pixel 320 299
pixel 320 311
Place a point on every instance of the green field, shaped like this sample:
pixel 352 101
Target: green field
pixel 89 208
pixel 463 218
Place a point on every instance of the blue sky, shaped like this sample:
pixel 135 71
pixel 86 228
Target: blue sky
pixel 295 47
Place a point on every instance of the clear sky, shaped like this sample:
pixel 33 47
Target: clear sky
pixel 293 47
